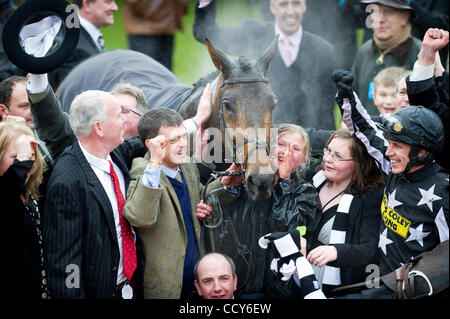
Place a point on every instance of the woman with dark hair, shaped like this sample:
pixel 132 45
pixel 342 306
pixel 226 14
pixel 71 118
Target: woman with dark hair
pixel 350 190
pixel 21 175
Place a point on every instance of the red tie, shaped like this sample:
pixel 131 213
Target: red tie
pixel 128 247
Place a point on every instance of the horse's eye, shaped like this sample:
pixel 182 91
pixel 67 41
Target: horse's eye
pixel 227 107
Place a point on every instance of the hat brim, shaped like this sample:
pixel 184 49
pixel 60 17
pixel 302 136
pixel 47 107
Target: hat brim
pixel 364 3
pixel 15 22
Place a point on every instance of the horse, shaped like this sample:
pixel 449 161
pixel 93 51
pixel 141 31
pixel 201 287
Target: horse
pixel 242 103
pixel 242 99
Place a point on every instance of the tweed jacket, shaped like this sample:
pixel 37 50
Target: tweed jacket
pixel 158 221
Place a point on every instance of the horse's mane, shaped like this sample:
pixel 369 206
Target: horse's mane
pixel 200 83
pixel 244 64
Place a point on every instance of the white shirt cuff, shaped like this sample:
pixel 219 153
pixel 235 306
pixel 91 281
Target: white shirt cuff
pixel 37 83
pixel 190 126
pixel 421 72
pixel 151 177
pixel 203 3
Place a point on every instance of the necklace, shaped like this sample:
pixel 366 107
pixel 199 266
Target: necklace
pixel 334 197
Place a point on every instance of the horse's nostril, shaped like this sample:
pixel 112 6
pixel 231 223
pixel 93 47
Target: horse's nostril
pixel 250 180
pixel 262 181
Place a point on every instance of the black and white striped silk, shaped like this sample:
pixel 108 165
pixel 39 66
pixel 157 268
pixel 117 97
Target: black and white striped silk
pixel 291 263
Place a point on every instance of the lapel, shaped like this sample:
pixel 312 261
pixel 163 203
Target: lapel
pixel 96 188
pixel 174 199
pixel 89 41
pixel 190 183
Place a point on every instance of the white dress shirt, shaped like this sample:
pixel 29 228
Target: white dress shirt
pixel 294 39
pixel 93 31
pixel 101 169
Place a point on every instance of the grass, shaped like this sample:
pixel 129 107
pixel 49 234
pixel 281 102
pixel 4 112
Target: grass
pixel 191 59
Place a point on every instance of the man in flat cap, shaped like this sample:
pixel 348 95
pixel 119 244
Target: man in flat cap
pixel 391 45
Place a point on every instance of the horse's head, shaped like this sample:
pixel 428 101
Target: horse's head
pixel 243 101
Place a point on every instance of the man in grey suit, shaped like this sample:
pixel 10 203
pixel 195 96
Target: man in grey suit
pixel 299 74
pixel 93 15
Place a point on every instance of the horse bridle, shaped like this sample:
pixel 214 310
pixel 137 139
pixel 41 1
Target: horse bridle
pixel 259 143
pixel 210 197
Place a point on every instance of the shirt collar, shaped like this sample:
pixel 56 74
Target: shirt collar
pixel 420 174
pixel 93 31
pixel 99 163
pixel 295 38
pixel 170 172
pixel 400 52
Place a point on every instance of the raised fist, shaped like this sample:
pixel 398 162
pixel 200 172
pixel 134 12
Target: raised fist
pixel 344 81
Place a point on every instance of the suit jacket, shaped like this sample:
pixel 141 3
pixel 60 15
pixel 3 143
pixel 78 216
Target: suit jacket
pixel 157 217
pixel 304 91
pixel 80 237
pixel 85 48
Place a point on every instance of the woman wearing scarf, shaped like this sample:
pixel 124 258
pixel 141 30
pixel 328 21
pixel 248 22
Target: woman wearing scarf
pixel 350 191
pixel 21 175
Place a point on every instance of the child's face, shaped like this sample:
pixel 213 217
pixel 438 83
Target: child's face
pixel 384 99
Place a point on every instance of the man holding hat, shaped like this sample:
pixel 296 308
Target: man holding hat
pixel 93 15
pixel 415 204
pixel 391 45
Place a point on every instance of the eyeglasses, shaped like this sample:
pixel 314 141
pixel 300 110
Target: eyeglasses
pixel 126 110
pixel 335 157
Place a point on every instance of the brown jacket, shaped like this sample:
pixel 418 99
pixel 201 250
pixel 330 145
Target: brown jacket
pixel 153 17
pixel 157 219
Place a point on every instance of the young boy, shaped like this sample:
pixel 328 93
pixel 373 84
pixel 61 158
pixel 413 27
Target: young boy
pixel 385 89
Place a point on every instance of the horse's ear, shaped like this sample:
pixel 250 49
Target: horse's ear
pixel 264 60
pixel 219 59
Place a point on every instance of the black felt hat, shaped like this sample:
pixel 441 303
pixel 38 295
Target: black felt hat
pixel 398 4
pixel 64 43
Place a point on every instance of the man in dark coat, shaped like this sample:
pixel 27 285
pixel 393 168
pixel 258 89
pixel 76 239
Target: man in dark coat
pixel 93 15
pixel 7 68
pixel 428 84
pixel 299 73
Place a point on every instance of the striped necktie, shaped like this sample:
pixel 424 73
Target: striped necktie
pixel 101 42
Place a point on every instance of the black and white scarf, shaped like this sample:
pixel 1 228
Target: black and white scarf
pixel 332 275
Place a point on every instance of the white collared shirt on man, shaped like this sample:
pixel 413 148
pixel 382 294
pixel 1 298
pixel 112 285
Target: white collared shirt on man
pixel 92 30
pixel 101 170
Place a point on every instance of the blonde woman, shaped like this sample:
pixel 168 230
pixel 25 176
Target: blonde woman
pixel 21 174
